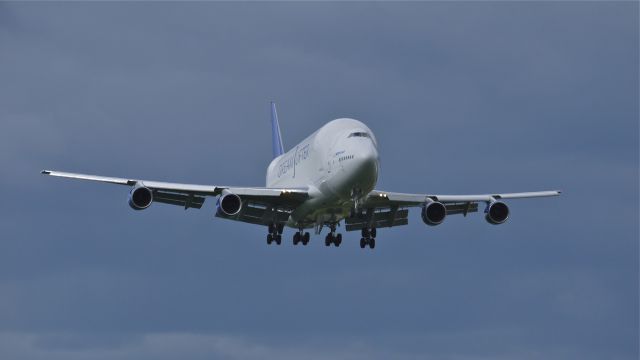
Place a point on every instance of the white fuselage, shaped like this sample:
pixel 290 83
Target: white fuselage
pixel 337 164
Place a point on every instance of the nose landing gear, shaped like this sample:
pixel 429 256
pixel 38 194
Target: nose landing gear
pixel 356 197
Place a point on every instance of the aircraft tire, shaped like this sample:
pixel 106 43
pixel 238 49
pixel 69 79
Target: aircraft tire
pixel 328 240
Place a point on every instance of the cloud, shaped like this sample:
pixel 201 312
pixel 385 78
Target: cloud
pixel 216 346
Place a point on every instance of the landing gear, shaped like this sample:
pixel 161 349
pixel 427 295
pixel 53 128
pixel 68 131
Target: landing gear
pixel 356 195
pixel 271 238
pixel 368 238
pixel 301 237
pixel 275 234
pixel 332 237
pixel 367 241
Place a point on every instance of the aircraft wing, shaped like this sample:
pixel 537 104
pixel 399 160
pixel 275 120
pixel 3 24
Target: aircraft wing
pixel 410 200
pixel 193 195
pixel 387 209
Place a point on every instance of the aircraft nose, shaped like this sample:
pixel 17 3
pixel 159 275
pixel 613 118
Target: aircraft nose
pixel 367 162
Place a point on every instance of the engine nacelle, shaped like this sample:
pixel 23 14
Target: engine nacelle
pixel 433 212
pixel 496 212
pixel 229 204
pixel 140 198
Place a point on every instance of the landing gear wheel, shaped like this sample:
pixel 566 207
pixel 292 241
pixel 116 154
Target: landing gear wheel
pixel 328 240
pixel 372 243
pixel 269 239
pixel 373 232
pixel 338 240
pixel 305 239
pixel 363 243
pixel 365 233
pixel 296 238
pixel 278 239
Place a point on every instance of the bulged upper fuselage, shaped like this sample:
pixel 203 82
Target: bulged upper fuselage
pixel 337 163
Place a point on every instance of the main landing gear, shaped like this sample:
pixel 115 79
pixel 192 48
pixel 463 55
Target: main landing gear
pixel 275 233
pixel 368 238
pixel 332 237
pixel 301 237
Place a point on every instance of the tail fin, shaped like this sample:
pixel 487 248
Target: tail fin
pixel 275 132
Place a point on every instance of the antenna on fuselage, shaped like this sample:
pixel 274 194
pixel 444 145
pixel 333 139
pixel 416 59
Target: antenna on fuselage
pixel 276 136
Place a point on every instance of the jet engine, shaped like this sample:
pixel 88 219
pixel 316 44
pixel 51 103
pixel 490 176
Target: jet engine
pixel 433 212
pixel 140 198
pixel 496 212
pixel 229 204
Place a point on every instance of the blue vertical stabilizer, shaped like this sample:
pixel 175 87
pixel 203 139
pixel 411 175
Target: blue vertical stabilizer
pixel 275 133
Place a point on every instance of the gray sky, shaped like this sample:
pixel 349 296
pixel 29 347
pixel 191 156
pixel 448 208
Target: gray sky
pixel 463 97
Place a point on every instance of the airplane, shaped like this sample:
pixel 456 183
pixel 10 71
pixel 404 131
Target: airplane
pixel 328 178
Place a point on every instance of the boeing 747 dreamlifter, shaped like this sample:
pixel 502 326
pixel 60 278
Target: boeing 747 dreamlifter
pixel 327 178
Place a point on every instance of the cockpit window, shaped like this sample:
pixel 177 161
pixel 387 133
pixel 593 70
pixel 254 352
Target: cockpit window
pixel 359 134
